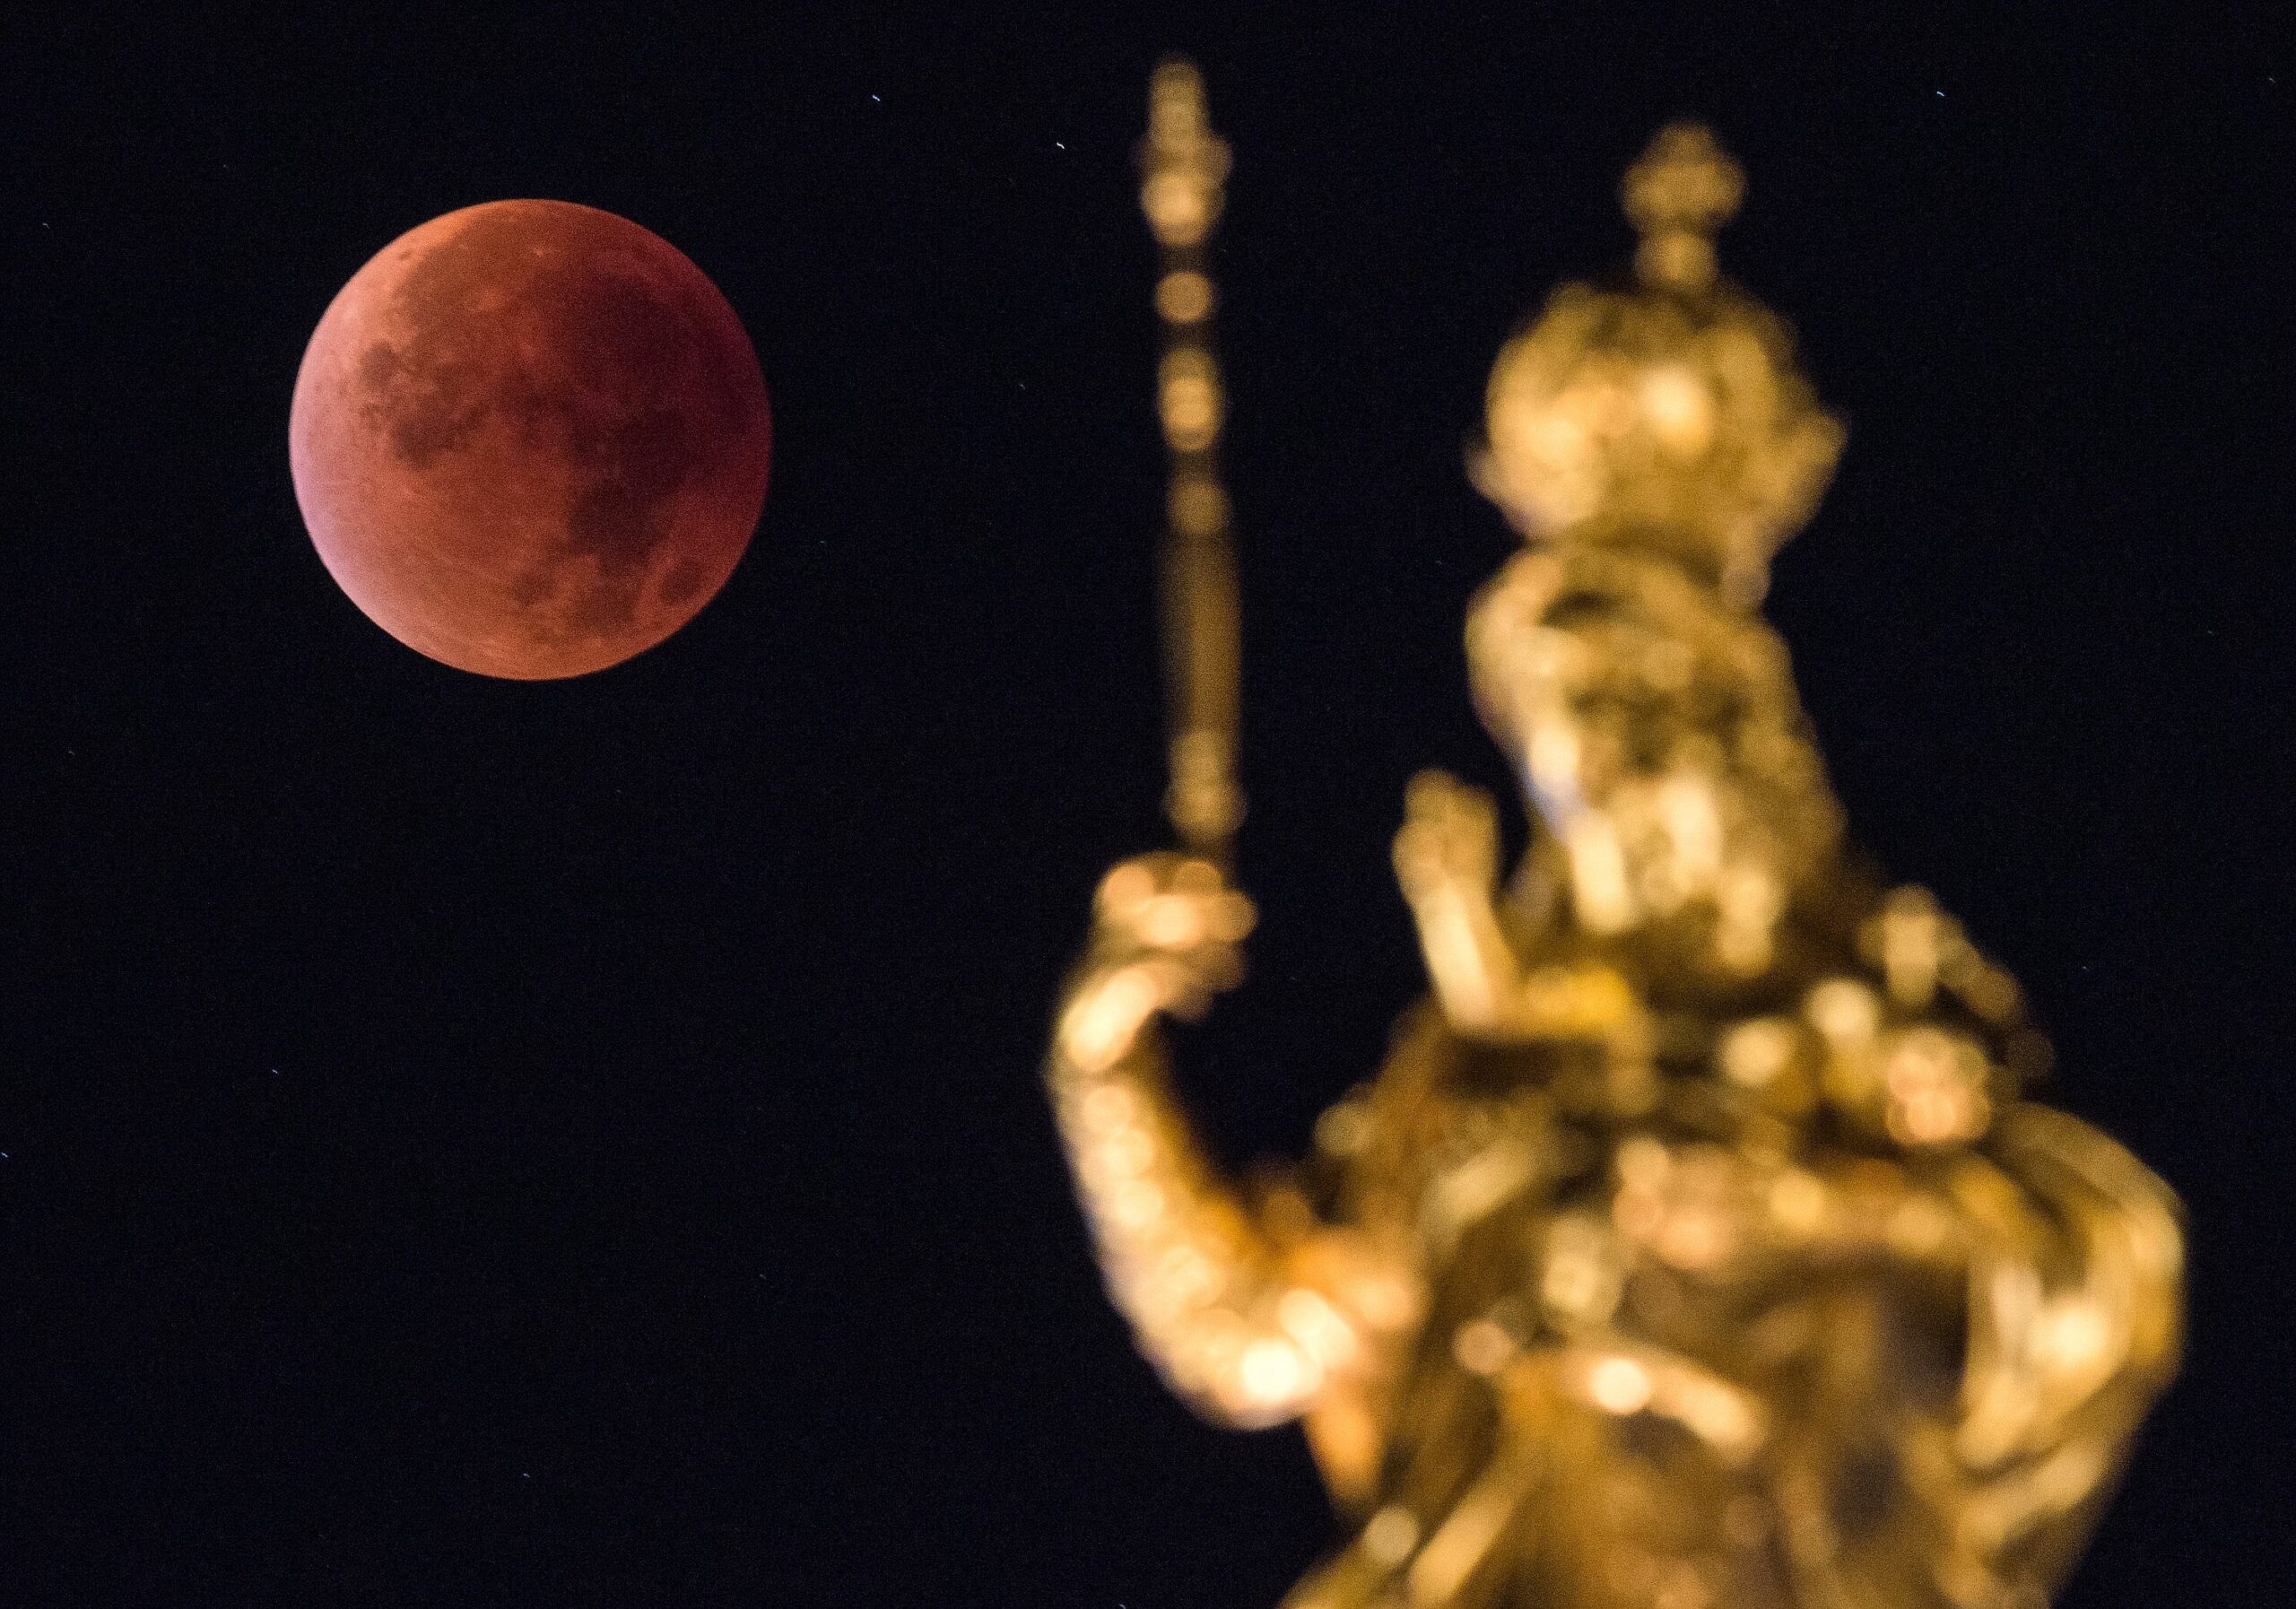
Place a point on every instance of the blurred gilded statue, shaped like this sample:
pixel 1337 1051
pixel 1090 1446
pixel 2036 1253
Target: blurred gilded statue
pixel 1696 1248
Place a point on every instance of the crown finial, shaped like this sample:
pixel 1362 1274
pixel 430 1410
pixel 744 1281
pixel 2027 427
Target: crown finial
pixel 1683 189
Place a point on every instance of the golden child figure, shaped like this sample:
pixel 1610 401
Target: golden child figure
pixel 1695 1248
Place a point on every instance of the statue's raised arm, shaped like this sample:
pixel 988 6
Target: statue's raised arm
pixel 1253 1312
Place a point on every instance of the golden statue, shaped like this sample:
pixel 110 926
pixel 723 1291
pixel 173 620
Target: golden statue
pixel 1695 1247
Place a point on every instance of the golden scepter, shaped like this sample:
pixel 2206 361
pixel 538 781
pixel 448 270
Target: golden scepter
pixel 1184 165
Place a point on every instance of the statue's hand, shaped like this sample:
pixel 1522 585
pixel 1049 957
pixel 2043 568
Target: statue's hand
pixel 1174 919
pixel 1449 838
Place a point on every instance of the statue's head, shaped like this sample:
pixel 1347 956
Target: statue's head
pixel 1655 445
pixel 1659 740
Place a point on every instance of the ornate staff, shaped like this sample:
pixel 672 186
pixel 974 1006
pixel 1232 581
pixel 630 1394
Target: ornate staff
pixel 1186 165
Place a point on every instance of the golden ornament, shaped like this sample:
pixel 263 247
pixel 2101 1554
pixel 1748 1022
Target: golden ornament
pixel 1696 1248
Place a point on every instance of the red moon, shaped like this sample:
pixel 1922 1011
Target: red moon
pixel 530 439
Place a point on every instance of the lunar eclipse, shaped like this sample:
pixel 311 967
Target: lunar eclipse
pixel 530 439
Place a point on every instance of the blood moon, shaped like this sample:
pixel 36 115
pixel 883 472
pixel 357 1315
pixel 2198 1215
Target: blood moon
pixel 530 439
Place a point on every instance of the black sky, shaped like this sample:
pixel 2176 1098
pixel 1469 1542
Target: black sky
pixel 581 1143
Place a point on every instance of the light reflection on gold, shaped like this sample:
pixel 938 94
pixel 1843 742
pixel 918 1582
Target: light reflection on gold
pixel 1696 1248
pixel 1390 1536
pixel 1617 1386
pixel 1184 296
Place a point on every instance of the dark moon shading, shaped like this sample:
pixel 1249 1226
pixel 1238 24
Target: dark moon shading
pixel 530 439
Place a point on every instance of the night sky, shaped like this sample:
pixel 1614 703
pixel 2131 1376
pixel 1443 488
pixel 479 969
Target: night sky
pixel 571 1143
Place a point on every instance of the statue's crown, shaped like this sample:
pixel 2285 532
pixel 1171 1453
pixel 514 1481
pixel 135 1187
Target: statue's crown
pixel 1667 416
